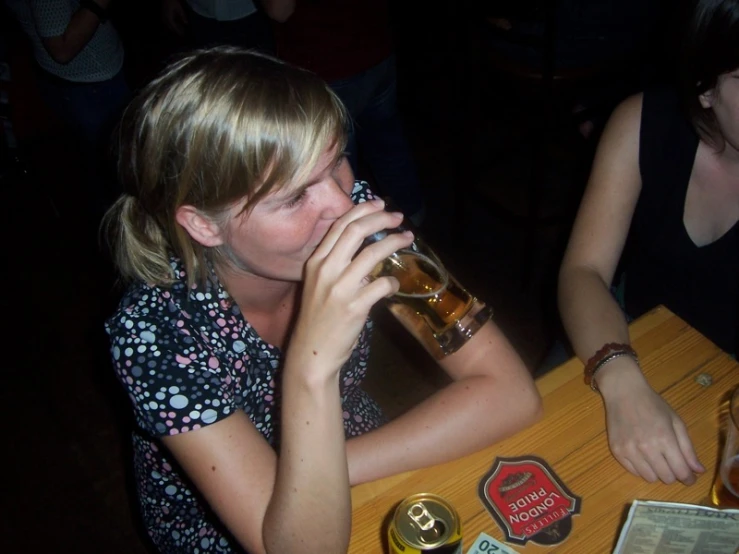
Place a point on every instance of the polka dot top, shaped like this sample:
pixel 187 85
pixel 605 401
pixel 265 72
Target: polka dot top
pixel 188 358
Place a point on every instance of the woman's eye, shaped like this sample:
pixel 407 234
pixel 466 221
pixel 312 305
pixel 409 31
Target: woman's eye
pixel 295 200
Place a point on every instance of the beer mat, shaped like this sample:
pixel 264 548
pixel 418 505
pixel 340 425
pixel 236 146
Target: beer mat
pixel 485 544
pixel 528 500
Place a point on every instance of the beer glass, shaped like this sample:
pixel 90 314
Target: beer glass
pixel 430 303
pixel 725 490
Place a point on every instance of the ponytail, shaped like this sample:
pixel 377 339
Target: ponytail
pixel 140 249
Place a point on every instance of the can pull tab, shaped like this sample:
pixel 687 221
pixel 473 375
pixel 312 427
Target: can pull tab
pixel 432 530
pixel 418 513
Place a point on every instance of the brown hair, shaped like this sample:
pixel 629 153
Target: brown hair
pixel 710 48
pixel 215 128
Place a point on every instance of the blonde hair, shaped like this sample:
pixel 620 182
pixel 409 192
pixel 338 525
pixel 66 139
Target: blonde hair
pixel 215 128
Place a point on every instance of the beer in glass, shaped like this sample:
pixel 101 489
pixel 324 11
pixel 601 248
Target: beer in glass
pixel 725 490
pixel 430 294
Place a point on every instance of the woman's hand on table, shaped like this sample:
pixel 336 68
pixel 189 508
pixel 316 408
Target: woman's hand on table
pixel 645 434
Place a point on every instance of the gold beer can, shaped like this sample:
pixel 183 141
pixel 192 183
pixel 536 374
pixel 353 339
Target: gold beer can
pixel 425 523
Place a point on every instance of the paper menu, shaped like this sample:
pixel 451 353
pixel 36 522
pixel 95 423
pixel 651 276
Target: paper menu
pixel 673 528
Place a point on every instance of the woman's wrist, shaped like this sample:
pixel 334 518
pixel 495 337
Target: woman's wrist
pixel 619 377
pixel 605 355
pixel 307 370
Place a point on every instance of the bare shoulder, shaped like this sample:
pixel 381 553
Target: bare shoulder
pixel 626 117
pixel 632 104
pixel 616 161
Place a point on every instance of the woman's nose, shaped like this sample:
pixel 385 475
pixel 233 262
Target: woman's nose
pixel 336 201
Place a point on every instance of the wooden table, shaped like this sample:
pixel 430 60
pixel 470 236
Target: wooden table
pixel 571 438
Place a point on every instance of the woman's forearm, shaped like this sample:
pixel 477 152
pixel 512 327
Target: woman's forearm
pixel 312 482
pixel 466 416
pixel 590 314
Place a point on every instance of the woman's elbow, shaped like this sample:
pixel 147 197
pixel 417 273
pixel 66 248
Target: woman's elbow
pixel 279 12
pixel 567 277
pixel 279 16
pixel 537 409
pixel 531 406
pixel 572 279
pixel 62 59
pixel 522 407
pixel 59 51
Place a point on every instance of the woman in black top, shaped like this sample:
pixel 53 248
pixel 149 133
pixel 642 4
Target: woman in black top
pixel 664 190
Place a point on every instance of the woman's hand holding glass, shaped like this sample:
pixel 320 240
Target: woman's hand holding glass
pixel 645 434
pixel 337 294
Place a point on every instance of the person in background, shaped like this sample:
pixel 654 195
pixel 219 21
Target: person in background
pixel 663 201
pixel 243 337
pixel 348 43
pixel 205 23
pixel 79 58
pixel 615 35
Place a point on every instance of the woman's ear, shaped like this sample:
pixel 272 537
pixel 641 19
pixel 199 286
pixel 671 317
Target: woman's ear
pixel 706 99
pixel 200 227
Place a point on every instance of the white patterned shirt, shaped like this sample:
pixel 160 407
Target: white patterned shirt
pixel 100 59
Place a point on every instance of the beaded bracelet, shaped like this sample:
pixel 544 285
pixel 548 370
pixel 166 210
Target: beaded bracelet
pixel 606 354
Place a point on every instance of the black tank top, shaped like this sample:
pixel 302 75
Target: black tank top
pixel 663 265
